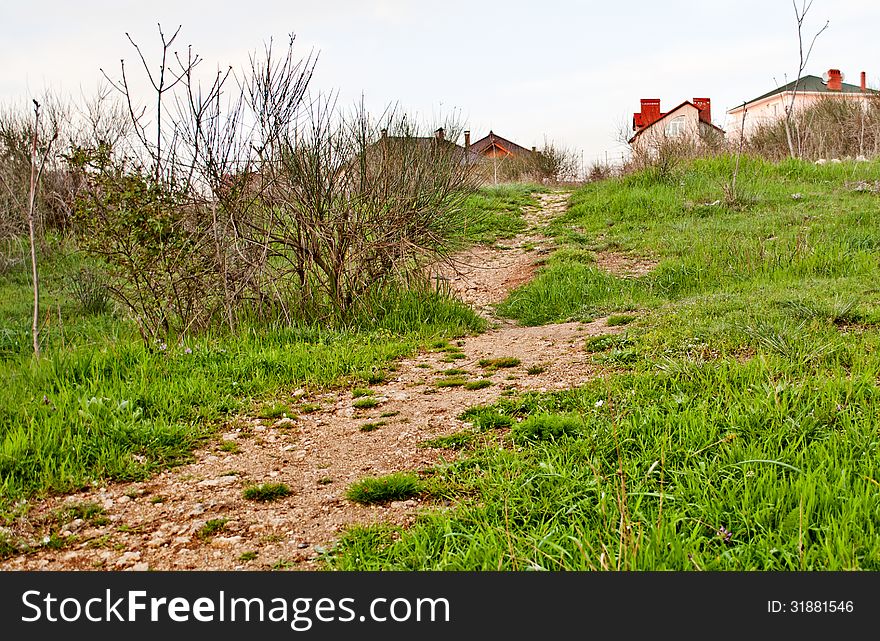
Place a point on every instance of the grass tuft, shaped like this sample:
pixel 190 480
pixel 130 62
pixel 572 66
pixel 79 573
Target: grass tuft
pixel 265 492
pixel 394 487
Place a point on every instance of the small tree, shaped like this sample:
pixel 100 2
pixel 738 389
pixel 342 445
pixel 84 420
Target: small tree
pixel 800 14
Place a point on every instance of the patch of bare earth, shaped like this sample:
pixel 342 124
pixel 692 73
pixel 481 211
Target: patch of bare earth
pixel 158 524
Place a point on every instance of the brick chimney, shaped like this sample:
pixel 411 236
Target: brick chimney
pixel 834 80
pixel 440 134
pixel 650 111
pixel 705 107
pixel 467 139
pixel 864 83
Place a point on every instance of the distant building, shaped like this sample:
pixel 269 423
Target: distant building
pixel 691 120
pixel 494 146
pixel 807 91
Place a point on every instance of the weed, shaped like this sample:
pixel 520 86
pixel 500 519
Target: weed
pixel 265 492
pixel 365 403
pixel 309 408
pixel 487 418
pixel 325 480
pixel 358 392
pixel 542 427
pixel 89 511
pixel 535 370
pixel 211 528
pixel 230 447
pixel 275 410
pixel 388 414
pixel 282 564
pixel 248 556
pixel 452 381
pixel 455 441
pixel 619 319
pixel 499 363
pixel 369 427
pixel 455 372
pixel 478 384
pixel 393 487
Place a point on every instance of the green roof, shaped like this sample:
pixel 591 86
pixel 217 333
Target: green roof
pixel 812 84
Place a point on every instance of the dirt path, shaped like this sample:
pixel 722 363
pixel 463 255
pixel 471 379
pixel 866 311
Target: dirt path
pixel 156 524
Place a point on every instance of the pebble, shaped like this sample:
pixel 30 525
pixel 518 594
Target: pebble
pixel 140 567
pixel 123 499
pixel 226 541
pixel 221 480
pixel 127 557
pixel 285 422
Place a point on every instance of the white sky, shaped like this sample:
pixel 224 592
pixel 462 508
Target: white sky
pixel 572 71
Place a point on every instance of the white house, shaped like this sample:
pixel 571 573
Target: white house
pixel 690 120
pixel 771 106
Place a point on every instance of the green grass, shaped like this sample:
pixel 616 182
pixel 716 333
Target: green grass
pixel 276 410
pixel 535 370
pixel 487 418
pixel 101 405
pixel 615 320
pixel 736 425
pixel 370 427
pixel 211 528
pixel 482 383
pixel 451 381
pixel 365 403
pixel 393 487
pixel 358 392
pixel 499 363
pixel 456 441
pixel 496 212
pixel 265 492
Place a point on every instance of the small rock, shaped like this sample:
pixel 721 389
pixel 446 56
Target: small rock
pixel 226 541
pixel 127 557
pixel 182 540
pixel 123 499
pixel 299 393
pixel 284 422
pixel 140 567
pixel 302 546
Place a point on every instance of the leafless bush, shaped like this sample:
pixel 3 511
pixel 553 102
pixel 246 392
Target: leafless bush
pixel 242 196
pixel 552 163
pixel 352 204
pixel 831 128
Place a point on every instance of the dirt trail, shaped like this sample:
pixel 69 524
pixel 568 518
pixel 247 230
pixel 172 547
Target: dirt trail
pixel 156 524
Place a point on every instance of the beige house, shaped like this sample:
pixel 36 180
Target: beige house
pixel 690 121
pixel 805 92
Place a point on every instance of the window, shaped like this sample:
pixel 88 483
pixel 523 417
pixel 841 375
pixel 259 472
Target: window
pixel 676 126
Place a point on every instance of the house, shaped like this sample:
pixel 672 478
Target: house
pixel 494 146
pixel 691 120
pixel 807 91
pixel 437 141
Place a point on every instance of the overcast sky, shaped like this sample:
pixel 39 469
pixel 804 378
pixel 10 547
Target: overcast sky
pixel 571 71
